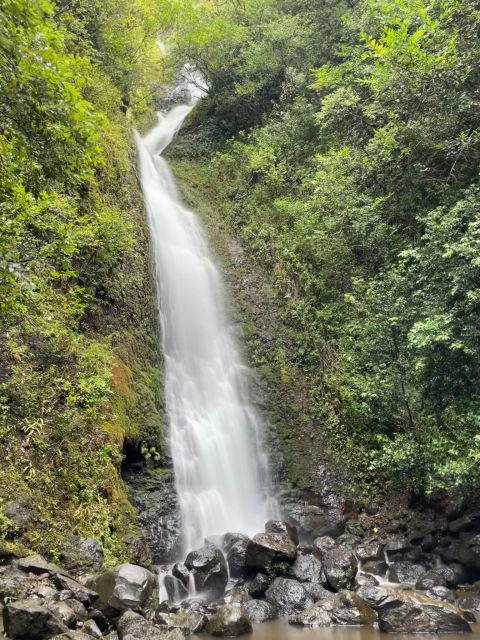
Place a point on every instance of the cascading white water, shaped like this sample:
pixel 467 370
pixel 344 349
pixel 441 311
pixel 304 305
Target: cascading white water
pixel 219 463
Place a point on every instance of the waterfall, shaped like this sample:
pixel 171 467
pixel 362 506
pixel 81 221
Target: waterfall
pixel 220 466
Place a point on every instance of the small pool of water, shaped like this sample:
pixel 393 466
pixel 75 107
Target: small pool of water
pixel 281 630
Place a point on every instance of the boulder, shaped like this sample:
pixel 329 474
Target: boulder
pixel 30 620
pixel 429 580
pixel 308 568
pixel 187 621
pixel 405 572
pixel 268 548
pixel 39 566
pixel 344 608
pixel 14 584
pixel 284 528
pixel 132 626
pixel 316 591
pixel 411 612
pixel 236 557
pixel 370 551
pixel 91 628
pixel 64 612
pixel 288 596
pixel 259 611
pixel 230 539
pixel 339 563
pixel 259 585
pixel 181 572
pixel 376 567
pixel 238 594
pixel 230 620
pixel 79 609
pixel 312 521
pixel 127 586
pixel 469 551
pixel 99 619
pixel 468 601
pixel 209 571
pixel 73 635
pixel 441 593
pixel 78 591
pixel 91 552
pixel 175 589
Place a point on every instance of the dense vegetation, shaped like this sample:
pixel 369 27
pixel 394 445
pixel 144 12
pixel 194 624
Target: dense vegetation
pixel 78 350
pixel 341 141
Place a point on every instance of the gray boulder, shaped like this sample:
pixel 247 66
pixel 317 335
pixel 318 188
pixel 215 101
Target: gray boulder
pixel 30 620
pixel 64 612
pixel 339 563
pixel 344 608
pixel 288 596
pixel 91 628
pixel 181 572
pixel 316 591
pixel 370 551
pixel 132 626
pixel 187 621
pixel 268 548
pixel 429 580
pixel 78 591
pixel 284 528
pixel 405 572
pixel 236 557
pixel 39 566
pixel 411 612
pixel 308 568
pixel 127 586
pixel 259 611
pixel 468 601
pixel 441 593
pixel 176 590
pixel 209 571
pixel 230 621
pixel 259 585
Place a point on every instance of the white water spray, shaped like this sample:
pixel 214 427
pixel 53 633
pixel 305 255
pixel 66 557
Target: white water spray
pixel 221 471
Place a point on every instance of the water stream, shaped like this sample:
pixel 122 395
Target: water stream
pixel 215 434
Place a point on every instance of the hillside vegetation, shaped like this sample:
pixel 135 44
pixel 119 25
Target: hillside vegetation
pixel 340 141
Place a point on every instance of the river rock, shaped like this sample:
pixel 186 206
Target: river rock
pixel 77 590
pixel 64 612
pixel 468 601
pixel 268 548
pixel 441 593
pixel 230 620
pixel 39 566
pixel 308 568
pixel 259 585
pixel 429 580
pixel 187 621
pixel 209 571
pixel 377 567
pixel 339 563
pixel 284 528
pixel 411 612
pixel 313 521
pixel 372 551
pixel 14 584
pixel 344 608
pixel 288 596
pixel 30 620
pixel 231 539
pixel 91 628
pixel 316 591
pixel 175 589
pixel 78 608
pixel 132 626
pixel 181 572
pixel 238 594
pixel 259 611
pixel 236 557
pixel 127 586
pixel 405 572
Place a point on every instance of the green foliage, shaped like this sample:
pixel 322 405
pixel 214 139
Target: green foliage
pixel 79 372
pixel 357 190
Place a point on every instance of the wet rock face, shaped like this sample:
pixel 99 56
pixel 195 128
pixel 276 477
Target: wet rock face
pixel 30 620
pixel 344 608
pixel 237 555
pixel 209 571
pixel 339 563
pixel 268 548
pixel 127 586
pixel 429 580
pixel 187 621
pixel 288 596
pixel 154 497
pixel 229 621
pixel 175 588
pixel 259 585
